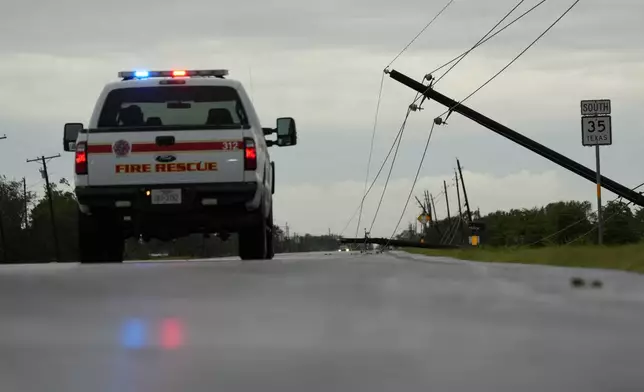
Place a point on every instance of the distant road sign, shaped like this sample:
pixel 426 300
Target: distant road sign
pixel 596 131
pixel 595 107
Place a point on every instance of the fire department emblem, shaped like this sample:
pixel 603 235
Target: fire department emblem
pixel 121 148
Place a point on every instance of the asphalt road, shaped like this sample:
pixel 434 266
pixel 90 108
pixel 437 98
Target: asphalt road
pixel 317 322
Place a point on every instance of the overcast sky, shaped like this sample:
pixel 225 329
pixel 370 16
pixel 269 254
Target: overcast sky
pixel 321 63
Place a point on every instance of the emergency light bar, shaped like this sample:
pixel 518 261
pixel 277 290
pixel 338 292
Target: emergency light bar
pixel 127 75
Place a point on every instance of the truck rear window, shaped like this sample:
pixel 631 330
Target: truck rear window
pixel 173 106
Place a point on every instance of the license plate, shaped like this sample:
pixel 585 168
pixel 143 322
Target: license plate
pixel 166 196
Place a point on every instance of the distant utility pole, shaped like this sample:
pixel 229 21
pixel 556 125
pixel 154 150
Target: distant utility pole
pixel 43 161
pixel 436 225
pixel 24 193
pixel 431 198
pixel 449 218
pixel 458 197
pixel 467 203
pixel 428 206
pixel 2 233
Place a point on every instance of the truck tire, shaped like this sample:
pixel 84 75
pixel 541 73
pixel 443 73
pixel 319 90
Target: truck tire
pixel 88 239
pixel 270 234
pixel 253 240
pixel 100 239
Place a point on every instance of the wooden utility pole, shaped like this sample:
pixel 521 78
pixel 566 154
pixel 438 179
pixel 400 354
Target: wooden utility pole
pixel 428 206
pixel 449 218
pixel 435 217
pixel 431 198
pixel 43 161
pixel 460 210
pixel 467 203
pixel 24 195
pixel 458 195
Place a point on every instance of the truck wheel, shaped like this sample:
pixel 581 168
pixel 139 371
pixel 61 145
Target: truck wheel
pixel 270 234
pixel 116 246
pixel 252 240
pixel 99 240
pixel 89 244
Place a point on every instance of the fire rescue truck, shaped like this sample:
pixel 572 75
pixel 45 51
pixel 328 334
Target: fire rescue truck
pixel 171 153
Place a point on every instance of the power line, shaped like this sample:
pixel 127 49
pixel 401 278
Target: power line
pixel 490 37
pixel 423 96
pixel 411 191
pixel 514 59
pixel 360 207
pixel 479 41
pixel 391 168
pixel 580 221
pixel 43 161
pixel 34 185
pixel 420 33
pixel 384 162
pixel 378 106
pixel 373 135
pixel 482 42
pixel 595 227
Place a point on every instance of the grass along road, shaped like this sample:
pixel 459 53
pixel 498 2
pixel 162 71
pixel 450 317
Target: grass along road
pixel 624 257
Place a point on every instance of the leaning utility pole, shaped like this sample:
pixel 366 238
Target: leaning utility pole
pixel 467 203
pixel 43 161
pixel 449 218
pixel 431 198
pixel 458 196
pixel 453 106
pixel 436 224
pixel 429 208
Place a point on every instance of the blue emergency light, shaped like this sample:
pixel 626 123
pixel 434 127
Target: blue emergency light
pixel 143 74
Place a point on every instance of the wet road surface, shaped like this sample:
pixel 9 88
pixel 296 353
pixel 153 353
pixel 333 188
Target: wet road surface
pixel 318 322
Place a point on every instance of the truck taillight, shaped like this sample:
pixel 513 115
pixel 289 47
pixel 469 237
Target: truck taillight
pixel 81 158
pixel 250 155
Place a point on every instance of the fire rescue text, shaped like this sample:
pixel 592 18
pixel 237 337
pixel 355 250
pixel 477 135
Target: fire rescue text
pixel 165 167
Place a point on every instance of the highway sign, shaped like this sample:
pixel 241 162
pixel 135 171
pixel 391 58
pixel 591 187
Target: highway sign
pixel 596 131
pixel 595 107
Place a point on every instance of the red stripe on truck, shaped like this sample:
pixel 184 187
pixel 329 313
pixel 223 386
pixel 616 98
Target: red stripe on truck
pixel 177 147
pixel 99 148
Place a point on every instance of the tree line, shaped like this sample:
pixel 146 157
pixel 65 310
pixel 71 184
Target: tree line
pixel 558 223
pixel 26 231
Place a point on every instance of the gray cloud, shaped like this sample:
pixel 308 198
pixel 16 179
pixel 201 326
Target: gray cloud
pixel 94 27
pixel 320 62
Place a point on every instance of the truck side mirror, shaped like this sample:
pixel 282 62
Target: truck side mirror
pixel 71 135
pixel 286 132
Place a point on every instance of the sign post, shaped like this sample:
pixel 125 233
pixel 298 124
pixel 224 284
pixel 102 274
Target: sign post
pixel 596 130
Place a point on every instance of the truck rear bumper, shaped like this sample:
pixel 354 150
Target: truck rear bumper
pixel 111 197
pixel 204 208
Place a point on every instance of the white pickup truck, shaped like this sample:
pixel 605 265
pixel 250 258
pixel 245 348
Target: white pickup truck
pixel 170 153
